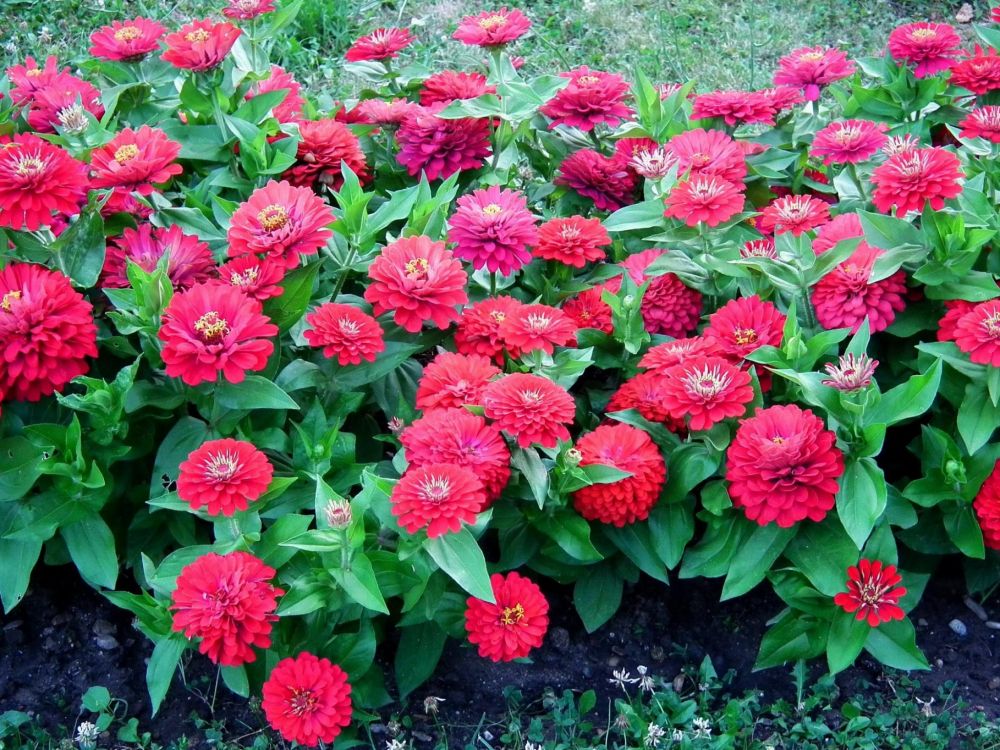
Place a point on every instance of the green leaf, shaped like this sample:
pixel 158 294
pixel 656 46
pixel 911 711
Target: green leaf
pixel 964 530
pixel 458 555
pixel 360 584
pixel 888 232
pixel 529 463
pixel 910 399
pixel 236 680
pixel 79 251
pixel 895 645
pixel 571 532
pixel 978 417
pixel 688 466
pixel 17 559
pixel 287 309
pixel 636 543
pixel 794 636
pixel 20 463
pixel 754 558
pixel 96 699
pixel 186 435
pixel 671 526
pixel 861 499
pixel 92 547
pixel 847 638
pixel 823 552
pixel 161 667
pixel 417 655
pixel 637 216
pixel 255 392
pixel 712 556
pixel 597 595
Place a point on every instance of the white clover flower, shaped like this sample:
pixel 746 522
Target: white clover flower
pixel 86 735
pixel 645 679
pixel 654 733
pixel 621 678
pixel 677 735
pixel 395 744
pixel 702 728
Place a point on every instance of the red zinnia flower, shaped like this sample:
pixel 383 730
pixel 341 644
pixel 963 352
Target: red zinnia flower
pixel 28 79
pixel 381 44
pixel 745 324
pixel 978 72
pixel 607 181
pixel 844 298
pixel 849 141
pixel 648 159
pixel 513 626
pixel 931 47
pixel 762 248
pixel 987 508
pixel 37 179
pixel 478 330
pixel 982 122
pixel 871 593
pixel 223 476
pixel 679 351
pixel 783 466
pixel 839 228
pixel 227 601
pixel 247 9
pixel 977 333
pixel 910 179
pixel 955 310
pixel 389 114
pixel 530 408
pixel 995 14
pixel 492 28
pixel 532 327
pixel 121 201
pixel 645 393
pixel 574 241
pixel 795 214
pixel 345 333
pixel 64 103
pixel 257 279
pixel 592 97
pixel 307 699
pixel 281 221
pixel 212 328
pixel 189 260
pixel 136 160
pixel 439 497
pixel 708 389
pixel 745 107
pixel 449 85
pixel 290 108
pixel 456 436
pixel 492 229
pixel 441 147
pixel 453 380
pixel 588 310
pixel 704 197
pixel 668 306
pixel 626 448
pixel 200 45
pixel 419 280
pixel 809 68
pixel 46 332
pixel 709 152
pixel 323 145
pixel 126 40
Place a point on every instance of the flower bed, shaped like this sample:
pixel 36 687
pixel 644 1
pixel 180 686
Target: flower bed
pixel 309 376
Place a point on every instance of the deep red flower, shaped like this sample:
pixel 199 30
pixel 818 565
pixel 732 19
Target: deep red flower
pixel 529 408
pixel 592 97
pixel 38 179
pixel 679 351
pixel 669 307
pixel 200 45
pixel 532 327
pixel 121 201
pixel 909 180
pixel 246 10
pixel 439 497
pixel 381 44
pixel 783 466
pixel 872 592
pixel 307 700
pixel 607 181
pixel 212 328
pixel 126 40
pixel 704 197
pixel 513 626
pixel 795 214
pixel 478 329
pixel 453 380
pixel 456 436
pixel 588 310
pixel 845 298
pixel 449 85
pixel 977 333
pixel 995 14
pixel 645 394
pixel 982 122
pixel 388 114
pixel 955 310
pixel 346 333
pixel 323 145
pixel 977 71
pixel 290 108
pixel 419 280
pixel 46 332
pixel 441 147
pixel 65 104
pixel 930 47
pixel 849 141
pixel 810 68
pixel 492 28
pixel 493 229
pixel 706 389
pixel 135 160
pixel 574 241
pixel 227 602
pixel 987 508
pixel 745 324
pixel 257 279
pixel 625 501
pixel 282 222
pixel 223 476
pixel 709 152
pixel 189 260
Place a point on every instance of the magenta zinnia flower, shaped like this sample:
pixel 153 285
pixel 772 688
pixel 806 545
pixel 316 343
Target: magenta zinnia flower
pixel 849 141
pixel 493 229
pixel 492 28
pixel 607 181
pixel 592 97
pixel 809 68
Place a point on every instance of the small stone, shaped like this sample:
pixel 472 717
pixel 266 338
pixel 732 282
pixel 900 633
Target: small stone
pixel 559 638
pixel 103 627
pixel 965 13
pixel 939 663
pixel 656 653
pixel 922 623
pixel 50 644
pixel 106 642
pixel 995 683
pixel 958 628
pixel 614 661
pixel 377 728
pixel 976 608
pixel 993 624
pixel 12 625
pixel 678 683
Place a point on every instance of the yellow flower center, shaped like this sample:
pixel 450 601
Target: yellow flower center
pixel 128 33
pixel 778 440
pixel 745 336
pixel 33 72
pixel 302 702
pixel 273 217
pixel 498 317
pixel 491 22
pixel 991 324
pixel 245 279
pixel 512 615
pixel 492 210
pixel 922 34
pixel 587 80
pixel 417 267
pixel 28 166
pixel 221 467
pixel 197 36
pixel 126 153
pixel 211 328
pixel 812 56
pixel 8 298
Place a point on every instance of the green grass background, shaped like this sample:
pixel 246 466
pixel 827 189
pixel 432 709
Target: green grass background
pixel 718 43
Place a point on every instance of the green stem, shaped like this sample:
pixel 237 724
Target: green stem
pixel 345 269
pixel 493 283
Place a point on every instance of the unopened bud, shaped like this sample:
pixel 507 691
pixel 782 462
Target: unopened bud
pixel 338 514
pixel 396 425
pixel 573 456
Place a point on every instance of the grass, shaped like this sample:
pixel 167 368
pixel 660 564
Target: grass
pixel 718 43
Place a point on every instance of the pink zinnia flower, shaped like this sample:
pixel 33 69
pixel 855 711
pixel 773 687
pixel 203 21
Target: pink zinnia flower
pixel 844 298
pixel 809 68
pixel 592 97
pixel 64 104
pixel 439 147
pixel 323 146
pixel 136 160
pixel 532 327
pixel 530 408
pixel 345 333
pixel 189 260
pixel 290 108
pixel 704 197
pixel 223 476
pixel 454 380
pixel 977 333
pixel 707 390
pixel 493 229
pixel 745 324
pixel 126 40
pixel 256 278
pixel 679 351
pixel 574 241
pixel 438 497
pixel 849 141
pixel 381 44
pixel 607 181
pixel 588 310
pixel 982 122
pixel 388 114
pixel 909 180
pixel 978 71
pixel 492 28
pixel 930 47
pixel 200 45
pixel 795 214
pixel 449 85
pixel 246 10
pixel 37 180
pixel 478 330
pixel 709 152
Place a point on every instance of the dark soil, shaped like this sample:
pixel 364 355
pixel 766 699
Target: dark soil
pixel 64 638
